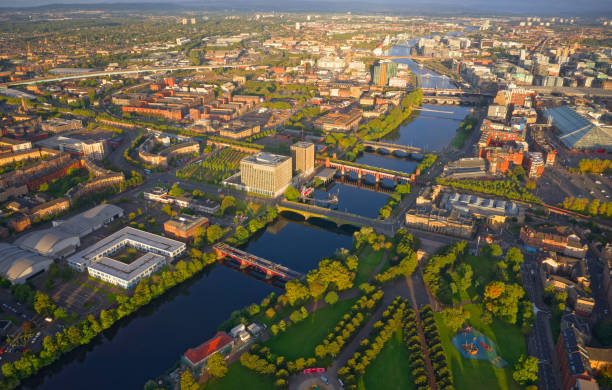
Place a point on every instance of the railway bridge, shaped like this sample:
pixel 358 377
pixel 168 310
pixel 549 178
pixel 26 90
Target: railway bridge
pixel 361 170
pixel 248 260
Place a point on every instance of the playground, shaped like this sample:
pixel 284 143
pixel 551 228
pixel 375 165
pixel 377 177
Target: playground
pixel 472 344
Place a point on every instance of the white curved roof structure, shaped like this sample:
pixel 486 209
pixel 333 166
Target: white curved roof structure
pixel 17 265
pixel 51 242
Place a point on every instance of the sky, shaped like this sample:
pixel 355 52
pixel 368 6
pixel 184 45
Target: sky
pixel 522 7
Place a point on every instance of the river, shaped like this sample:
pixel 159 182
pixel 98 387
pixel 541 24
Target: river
pixel 149 342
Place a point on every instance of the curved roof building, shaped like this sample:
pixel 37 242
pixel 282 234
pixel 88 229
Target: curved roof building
pixel 53 242
pixel 17 265
pixel 64 237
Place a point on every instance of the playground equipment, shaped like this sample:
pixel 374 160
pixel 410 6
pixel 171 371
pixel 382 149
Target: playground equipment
pixel 474 345
pixel 484 346
pixel 469 348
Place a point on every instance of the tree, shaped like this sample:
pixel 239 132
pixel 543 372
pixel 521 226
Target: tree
pixel 604 377
pixel 187 381
pixel 495 250
pixel 526 370
pixel 106 319
pixel 60 314
pixel 241 234
pixel 295 291
pixel 167 209
pixel 514 257
pixel 214 233
pixel 217 366
pixel 331 297
pixel 150 385
pixel 519 172
pixel 454 317
pixel 176 190
pixel 42 303
pixel 270 313
pixel 292 194
pixel 228 204
pixel 352 262
pixel 8 370
pixel 502 300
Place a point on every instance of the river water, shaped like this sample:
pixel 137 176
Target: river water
pixel 149 342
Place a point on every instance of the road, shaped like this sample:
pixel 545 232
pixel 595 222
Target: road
pixel 120 72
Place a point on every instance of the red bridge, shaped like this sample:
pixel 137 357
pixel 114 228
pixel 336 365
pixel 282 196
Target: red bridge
pixel 248 260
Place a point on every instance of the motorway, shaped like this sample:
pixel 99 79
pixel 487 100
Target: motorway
pixel 119 72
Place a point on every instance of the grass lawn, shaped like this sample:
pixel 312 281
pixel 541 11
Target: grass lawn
pixel 390 370
pixel 301 339
pixel 479 374
pixel 368 261
pixel 240 377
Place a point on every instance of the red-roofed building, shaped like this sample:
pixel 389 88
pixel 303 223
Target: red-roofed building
pixel 197 357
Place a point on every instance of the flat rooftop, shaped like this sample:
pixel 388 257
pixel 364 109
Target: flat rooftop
pixel 186 222
pixel 302 145
pixel 264 158
pixel 127 271
pixel 127 235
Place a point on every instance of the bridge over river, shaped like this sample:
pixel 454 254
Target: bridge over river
pixel 361 170
pixel 338 217
pixel 248 260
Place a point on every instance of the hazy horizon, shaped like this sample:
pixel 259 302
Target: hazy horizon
pixel 593 8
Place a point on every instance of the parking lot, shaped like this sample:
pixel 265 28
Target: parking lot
pixel 81 296
pixel 556 184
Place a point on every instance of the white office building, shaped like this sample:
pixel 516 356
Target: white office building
pixel 97 261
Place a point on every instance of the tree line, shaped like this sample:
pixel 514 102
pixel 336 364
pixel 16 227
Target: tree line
pixel 391 322
pixel 437 355
pixel 379 127
pixel 87 329
pixel 506 188
pixel 594 207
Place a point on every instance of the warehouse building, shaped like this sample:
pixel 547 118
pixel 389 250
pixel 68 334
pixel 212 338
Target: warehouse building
pixel 64 237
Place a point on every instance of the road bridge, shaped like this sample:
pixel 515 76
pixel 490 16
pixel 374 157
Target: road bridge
pixel 340 218
pixel 393 147
pixel 453 92
pixel 247 260
pixel 451 100
pixel 361 170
